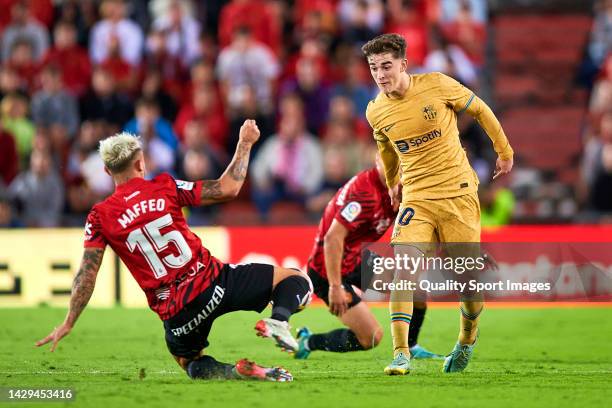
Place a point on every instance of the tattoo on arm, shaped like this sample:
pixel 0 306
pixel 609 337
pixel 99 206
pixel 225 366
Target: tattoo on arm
pixel 85 281
pixel 231 181
pixel 240 163
pixel 211 189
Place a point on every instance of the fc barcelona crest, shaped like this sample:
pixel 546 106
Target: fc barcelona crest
pixel 429 112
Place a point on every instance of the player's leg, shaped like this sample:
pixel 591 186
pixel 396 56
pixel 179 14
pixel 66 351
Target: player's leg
pixel 204 367
pixel 362 333
pixel 418 316
pixel 400 313
pixel 291 293
pixel 463 229
pixel 414 230
pixel 253 286
pixel 460 356
pixel 186 340
pixel 186 335
pixel 362 322
pixel 416 350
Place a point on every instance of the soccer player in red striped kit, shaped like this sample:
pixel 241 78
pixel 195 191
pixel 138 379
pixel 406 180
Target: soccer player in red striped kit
pixel 184 283
pixel 359 213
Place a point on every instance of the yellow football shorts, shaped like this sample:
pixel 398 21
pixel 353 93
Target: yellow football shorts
pixel 455 219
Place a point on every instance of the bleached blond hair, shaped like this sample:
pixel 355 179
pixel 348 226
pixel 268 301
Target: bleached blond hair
pixel 118 151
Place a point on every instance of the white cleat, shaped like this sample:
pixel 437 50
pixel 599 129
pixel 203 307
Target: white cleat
pixel 279 331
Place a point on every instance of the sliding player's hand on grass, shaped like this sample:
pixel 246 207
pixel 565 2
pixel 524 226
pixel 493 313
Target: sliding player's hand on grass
pixel 82 289
pixel 337 300
pixel 502 167
pixel 55 336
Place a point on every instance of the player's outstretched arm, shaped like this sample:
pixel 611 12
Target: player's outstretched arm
pixel 464 100
pixel 485 117
pixel 82 289
pixel 229 184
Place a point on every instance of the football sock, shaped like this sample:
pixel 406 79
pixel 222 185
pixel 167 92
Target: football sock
pixel 418 315
pixel 470 315
pixel 401 315
pixel 339 341
pixel 290 295
pixel 207 367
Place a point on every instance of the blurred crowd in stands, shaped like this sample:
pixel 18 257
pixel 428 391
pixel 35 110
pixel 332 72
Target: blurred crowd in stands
pixel 595 190
pixel 184 75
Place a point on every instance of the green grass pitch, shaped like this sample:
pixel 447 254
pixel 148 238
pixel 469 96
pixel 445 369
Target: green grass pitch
pixel 526 357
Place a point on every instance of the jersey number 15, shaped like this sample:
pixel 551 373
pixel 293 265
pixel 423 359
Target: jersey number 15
pixel 151 242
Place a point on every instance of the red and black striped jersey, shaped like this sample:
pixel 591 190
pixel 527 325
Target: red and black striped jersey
pixel 143 223
pixel 363 206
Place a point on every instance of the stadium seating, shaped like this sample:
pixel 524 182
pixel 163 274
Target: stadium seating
pixel 542 110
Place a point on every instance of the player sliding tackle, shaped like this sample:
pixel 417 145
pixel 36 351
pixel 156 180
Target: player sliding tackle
pixel 414 118
pixel 359 213
pixel 185 285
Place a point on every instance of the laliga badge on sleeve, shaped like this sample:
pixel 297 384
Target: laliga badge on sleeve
pixel 184 185
pixel 351 211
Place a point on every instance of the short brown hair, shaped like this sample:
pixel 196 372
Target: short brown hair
pixel 393 43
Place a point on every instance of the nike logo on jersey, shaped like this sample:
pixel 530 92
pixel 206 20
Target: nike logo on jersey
pixel 134 194
pixel 388 128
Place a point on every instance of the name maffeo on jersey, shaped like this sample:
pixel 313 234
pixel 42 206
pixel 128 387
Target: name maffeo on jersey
pixel 140 208
pixel 403 146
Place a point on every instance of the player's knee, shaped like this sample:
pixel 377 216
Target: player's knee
pixel 306 290
pixel 371 339
pixel 297 272
pixel 300 283
pixel 280 274
pixel 377 337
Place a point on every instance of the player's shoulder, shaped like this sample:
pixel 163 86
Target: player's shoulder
pixel 429 79
pixel 99 211
pixel 164 182
pixel 361 187
pixel 359 197
pixel 364 176
pixel 373 108
pixel 97 208
pixel 163 178
pixel 439 80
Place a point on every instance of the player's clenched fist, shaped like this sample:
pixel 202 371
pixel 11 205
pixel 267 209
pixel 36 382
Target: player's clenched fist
pixel 249 132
